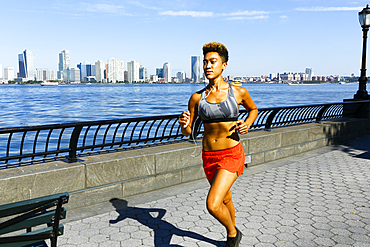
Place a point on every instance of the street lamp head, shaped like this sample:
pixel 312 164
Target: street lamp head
pixel 364 17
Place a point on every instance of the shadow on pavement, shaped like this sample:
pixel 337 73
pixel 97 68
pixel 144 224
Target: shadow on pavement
pixel 163 231
pixel 358 148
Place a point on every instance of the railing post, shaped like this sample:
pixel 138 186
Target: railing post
pixel 72 157
pixel 321 113
pixel 270 118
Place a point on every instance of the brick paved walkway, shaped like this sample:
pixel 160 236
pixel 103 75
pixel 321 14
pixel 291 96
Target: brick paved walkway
pixel 320 198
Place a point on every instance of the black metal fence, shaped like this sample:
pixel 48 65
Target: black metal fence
pixel 28 143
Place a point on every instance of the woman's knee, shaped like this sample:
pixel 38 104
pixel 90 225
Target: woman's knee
pixel 212 206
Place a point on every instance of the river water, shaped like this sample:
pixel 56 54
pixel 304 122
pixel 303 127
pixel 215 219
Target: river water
pixel 27 105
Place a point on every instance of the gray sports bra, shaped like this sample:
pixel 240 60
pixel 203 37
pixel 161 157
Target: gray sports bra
pixel 225 111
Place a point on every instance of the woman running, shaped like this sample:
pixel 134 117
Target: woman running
pixel 217 105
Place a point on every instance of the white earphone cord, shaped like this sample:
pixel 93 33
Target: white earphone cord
pixel 192 131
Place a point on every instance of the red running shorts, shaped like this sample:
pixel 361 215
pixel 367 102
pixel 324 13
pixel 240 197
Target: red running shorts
pixel 231 159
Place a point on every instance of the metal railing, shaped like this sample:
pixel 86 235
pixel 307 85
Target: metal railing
pixel 28 143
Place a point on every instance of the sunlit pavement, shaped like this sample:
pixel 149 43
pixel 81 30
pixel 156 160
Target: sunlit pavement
pixel 320 198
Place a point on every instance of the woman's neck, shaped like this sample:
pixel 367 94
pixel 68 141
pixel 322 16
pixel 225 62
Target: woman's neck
pixel 216 83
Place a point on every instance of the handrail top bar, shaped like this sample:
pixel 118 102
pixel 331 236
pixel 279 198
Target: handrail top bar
pixel 85 123
pixel 301 106
pixel 149 118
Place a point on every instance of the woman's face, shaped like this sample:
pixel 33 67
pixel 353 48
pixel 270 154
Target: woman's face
pixel 213 65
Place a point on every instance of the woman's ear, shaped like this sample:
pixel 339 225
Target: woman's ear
pixel 224 65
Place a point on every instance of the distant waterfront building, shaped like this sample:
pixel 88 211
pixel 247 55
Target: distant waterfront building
pixel 167 72
pixel 1 71
pixel 74 75
pixel 44 74
pixel 116 70
pixel 293 76
pixel 287 76
pixel 302 76
pixel 159 72
pixel 230 78
pixel 26 63
pixel 309 73
pixel 9 73
pixel 195 69
pixel 64 63
pixel 319 78
pixel 86 70
pixel 181 76
pixel 153 78
pixel 126 75
pixel 133 71
pixel 274 76
pixel 99 70
pixel 143 73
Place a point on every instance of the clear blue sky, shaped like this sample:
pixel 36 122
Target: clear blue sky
pixel 262 36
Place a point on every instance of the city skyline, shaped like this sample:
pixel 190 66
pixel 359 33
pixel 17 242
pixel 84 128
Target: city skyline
pixel 262 37
pixel 114 71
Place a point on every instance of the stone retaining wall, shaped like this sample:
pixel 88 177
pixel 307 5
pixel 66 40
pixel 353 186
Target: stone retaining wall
pixel 98 177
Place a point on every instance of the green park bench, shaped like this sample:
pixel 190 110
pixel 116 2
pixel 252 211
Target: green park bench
pixel 22 216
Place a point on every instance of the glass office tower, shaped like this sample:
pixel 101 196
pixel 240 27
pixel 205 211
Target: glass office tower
pixel 195 69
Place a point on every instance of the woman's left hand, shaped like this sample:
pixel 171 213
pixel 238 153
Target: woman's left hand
pixel 242 127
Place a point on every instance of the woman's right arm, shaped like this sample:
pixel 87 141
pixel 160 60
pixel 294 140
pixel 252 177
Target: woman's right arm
pixel 187 118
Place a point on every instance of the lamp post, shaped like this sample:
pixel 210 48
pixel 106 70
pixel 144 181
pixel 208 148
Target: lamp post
pixel 364 18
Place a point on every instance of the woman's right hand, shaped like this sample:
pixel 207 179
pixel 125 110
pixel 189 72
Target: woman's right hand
pixel 184 119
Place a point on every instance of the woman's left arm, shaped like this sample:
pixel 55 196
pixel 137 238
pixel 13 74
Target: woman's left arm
pixel 245 99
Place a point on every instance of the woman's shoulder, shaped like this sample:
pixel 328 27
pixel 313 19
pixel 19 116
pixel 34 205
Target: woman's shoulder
pixel 241 93
pixel 198 94
pixel 239 89
pixel 195 97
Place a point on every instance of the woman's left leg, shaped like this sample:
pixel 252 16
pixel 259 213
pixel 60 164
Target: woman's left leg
pixel 219 202
pixel 230 205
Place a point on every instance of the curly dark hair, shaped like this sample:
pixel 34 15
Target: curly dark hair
pixel 217 47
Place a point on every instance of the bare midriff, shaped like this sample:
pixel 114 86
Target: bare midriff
pixel 219 136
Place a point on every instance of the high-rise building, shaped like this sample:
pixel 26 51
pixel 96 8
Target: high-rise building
pixel 1 70
pixel 26 63
pixel 87 70
pixel 99 70
pixel 167 72
pixel 74 75
pixel 133 71
pixel 126 75
pixel 309 73
pixel 143 73
pixel 116 70
pixel 195 69
pixel 181 76
pixel 64 63
pixel 159 72
pixel 44 74
pixel 9 73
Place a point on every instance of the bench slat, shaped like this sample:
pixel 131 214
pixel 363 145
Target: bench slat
pixel 46 230
pixel 23 206
pixel 40 219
